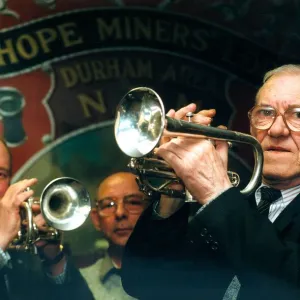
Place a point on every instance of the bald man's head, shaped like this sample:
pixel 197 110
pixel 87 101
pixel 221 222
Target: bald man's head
pixel 120 204
pixel 117 179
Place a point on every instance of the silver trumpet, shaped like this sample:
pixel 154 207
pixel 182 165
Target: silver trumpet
pixel 141 123
pixel 65 205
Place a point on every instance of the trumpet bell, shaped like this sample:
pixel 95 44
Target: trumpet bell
pixel 140 121
pixel 65 203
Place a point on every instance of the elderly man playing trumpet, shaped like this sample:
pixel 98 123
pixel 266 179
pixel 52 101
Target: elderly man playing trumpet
pixel 235 246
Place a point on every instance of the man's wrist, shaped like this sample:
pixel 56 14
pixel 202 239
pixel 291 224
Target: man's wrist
pixel 58 276
pixel 4 241
pixel 213 195
pixel 4 258
pixel 211 200
pixel 50 252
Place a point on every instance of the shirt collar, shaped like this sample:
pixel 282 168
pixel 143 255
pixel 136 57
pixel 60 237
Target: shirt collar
pixel 286 194
pixel 106 266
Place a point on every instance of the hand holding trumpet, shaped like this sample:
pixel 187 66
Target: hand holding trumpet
pixel 10 204
pixel 199 164
pixel 10 222
pixel 169 205
pixel 190 157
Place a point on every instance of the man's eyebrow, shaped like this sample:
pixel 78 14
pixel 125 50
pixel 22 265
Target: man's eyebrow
pixel 134 194
pixel 106 198
pixel 145 197
pixel 265 104
pixel 126 196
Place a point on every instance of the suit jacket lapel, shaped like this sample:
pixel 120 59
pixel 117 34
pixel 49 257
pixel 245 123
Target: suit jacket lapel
pixel 252 201
pixel 288 214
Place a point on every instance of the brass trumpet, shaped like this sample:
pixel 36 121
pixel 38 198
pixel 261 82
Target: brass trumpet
pixel 141 123
pixel 65 205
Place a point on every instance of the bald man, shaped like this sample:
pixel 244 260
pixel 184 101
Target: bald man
pixel 119 204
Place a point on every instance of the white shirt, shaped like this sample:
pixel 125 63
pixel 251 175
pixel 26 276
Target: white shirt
pixel 280 204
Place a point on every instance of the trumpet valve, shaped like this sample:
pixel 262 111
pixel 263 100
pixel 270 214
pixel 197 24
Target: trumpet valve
pixel 189 116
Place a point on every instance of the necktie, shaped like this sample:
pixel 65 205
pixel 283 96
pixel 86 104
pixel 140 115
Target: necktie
pixel 268 196
pixel 110 273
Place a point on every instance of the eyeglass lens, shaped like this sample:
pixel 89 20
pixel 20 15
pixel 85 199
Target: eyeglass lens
pixel 262 117
pixel 133 204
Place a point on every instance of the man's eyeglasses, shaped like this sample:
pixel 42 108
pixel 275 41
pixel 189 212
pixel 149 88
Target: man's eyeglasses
pixel 134 204
pixel 263 116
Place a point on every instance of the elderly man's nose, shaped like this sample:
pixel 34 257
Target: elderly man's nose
pixel 279 127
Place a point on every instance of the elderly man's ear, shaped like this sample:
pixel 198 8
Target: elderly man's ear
pixel 95 219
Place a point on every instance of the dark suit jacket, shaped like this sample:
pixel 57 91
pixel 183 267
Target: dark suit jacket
pixel 26 280
pixel 174 259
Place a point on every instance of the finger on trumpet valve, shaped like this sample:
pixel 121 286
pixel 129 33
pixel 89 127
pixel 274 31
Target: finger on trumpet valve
pixel 189 115
pixel 213 142
pixel 230 144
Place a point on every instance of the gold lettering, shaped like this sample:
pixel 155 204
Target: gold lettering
pixel 190 78
pixel 69 76
pixel 197 79
pixel 181 100
pixel 27 47
pixel 161 31
pixel 96 70
pixel 201 44
pixel 144 69
pixel 46 36
pixel 109 30
pixel 181 33
pixel 142 30
pixel 170 74
pixel 69 35
pixel 113 68
pixel 9 51
pixel 128 31
pixel 88 102
pixel 97 67
pixel 84 72
pixel 128 70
